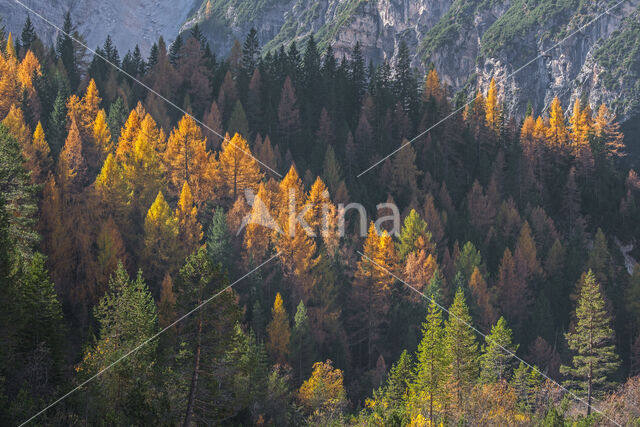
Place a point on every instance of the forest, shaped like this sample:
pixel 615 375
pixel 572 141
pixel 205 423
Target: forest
pixel 134 294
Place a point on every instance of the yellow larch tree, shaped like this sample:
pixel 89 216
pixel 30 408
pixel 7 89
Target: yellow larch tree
pixel 113 189
pixel 128 135
pixel 432 87
pixel 14 121
pixel 102 135
pixel 186 159
pixel 607 130
pixel 292 240
pixel 318 201
pixel 160 234
pixel 29 67
pixel 9 84
pixel 492 107
pixel 372 288
pixel 581 126
pixel 38 158
pixel 189 229
pixel 257 236
pixel 323 393
pixel 238 169
pixel 278 332
pixel 143 168
pixel 72 166
pixel 556 132
pixel 10 50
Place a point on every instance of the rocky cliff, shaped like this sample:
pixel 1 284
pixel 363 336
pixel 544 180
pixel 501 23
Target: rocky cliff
pixel 468 41
pixel 128 22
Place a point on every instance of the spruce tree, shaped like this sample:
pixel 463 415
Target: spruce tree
pixel 495 363
pixel 65 51
pixel 218 240
pixel 57 125
pixel 431 369
pixel 461 348
pixel 28 35
pixel 592 342
pixel 302 346
pixel 399 380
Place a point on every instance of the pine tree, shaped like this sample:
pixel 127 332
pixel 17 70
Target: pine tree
pixel 278 332
pixel 127 317
pixel 432 369
pixel 399 381
pixel 592 342
pixel 209 333
pixel 65 51
pixel 302 346
pixel 461 348
pixel 18 194
pixel 57 125
pixel 413 229
pixel 495 361
pixel 28 35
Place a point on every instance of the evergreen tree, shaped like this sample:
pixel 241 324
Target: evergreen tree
pixel 127 317
pixel 495 362
pixel 431 371
pixel 28 35
pixel 413 229
pixel 461 348
pixel 19 195
pixel 57 125
pixel 218 240
pixel 65 51
pixel 302 346
pixel 399 381
pixel 592 342
pixel 209 332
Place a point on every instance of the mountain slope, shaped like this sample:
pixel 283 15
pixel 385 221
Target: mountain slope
pixel 468 41
pixel 128 22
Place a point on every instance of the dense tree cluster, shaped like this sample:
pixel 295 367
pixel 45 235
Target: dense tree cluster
pixel 120 214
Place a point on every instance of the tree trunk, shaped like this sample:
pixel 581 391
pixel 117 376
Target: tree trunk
pixel 194 378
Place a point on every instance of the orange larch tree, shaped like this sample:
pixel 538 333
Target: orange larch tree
pixel 189 229
pixel 238 169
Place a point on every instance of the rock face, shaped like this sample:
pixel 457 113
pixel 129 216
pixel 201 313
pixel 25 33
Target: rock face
pixel 468 41
pixel 128 22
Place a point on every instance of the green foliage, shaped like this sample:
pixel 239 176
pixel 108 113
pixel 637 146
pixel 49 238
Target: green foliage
pixel 592 341
pixel 413 228
pixel 302 346
pixel 127 318
pixel 468 260
pixel 218 239
pixel 496 362
pixel 19 195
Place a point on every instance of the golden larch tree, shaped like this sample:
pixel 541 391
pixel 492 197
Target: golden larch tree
pixel 128 135
pixel 186 159
pixel 160 234
pixel 238 169
pixel 492 107
pixel 189 229
pixel 556 132
pixel 102 135
pixel 38 156
pixel 607 130
pixel 278 332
